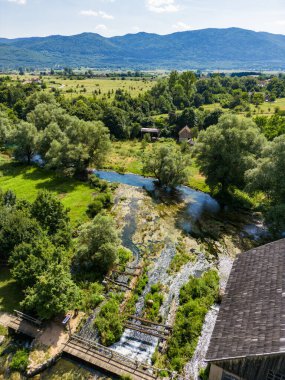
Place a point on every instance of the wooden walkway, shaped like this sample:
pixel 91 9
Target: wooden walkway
pixel 109 360
pixel 24 324
pixel 88 351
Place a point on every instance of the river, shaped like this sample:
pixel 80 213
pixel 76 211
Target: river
pixel 153 222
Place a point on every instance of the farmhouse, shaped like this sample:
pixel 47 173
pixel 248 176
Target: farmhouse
pixel 185 134
pixel 248 341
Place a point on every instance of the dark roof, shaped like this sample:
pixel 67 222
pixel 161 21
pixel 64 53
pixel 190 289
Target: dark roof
pixel 251 320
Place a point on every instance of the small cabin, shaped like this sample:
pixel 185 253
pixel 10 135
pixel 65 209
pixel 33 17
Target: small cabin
pixel 185 135
pixel 248 341
pixel 153 132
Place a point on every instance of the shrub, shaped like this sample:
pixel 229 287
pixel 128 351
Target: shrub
pixel 196 298
pixel 109 322
pixel 94 208
pixel 93 296
pixel 124 255
pixel 19 361
pixel 97 183
pixel 153 301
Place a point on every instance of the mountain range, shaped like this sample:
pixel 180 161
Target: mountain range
pixel 224 49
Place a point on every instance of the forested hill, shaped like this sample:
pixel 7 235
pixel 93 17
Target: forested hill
pixel 231 48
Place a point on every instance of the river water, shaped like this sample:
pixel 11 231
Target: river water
pixel 142 212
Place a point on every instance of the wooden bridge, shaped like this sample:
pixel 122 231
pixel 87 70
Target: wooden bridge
pixel 24 324
pixel 88 351
pixel 148 327
pixel 109 360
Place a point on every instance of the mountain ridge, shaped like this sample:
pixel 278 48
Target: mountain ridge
pixel 211 48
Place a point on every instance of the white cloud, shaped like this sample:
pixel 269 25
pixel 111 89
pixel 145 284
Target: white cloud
pixel 180 26
pixel 162 6
pixel 20 2
pixel 101 14
pixel 101 28
pixel 280 22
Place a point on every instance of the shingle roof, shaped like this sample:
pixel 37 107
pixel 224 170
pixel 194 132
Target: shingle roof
pixel 251 320
pixel 186 129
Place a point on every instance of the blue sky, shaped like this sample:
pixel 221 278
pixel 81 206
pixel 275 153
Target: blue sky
pixel 19 18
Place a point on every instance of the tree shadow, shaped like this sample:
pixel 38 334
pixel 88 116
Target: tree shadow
pixel 46 179
pixel 10 293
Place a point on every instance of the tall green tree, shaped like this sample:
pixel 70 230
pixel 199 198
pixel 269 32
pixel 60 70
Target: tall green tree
pixel 26 141
pixel 224 152
pixel 30 260
pixel 54 293
pixel 98 244
pixel 83 144
pixel 16 226
pixel 52 217
pixel 167 164
pixel 268 175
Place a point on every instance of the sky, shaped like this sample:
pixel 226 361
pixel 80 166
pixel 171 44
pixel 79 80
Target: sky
pixel 26 18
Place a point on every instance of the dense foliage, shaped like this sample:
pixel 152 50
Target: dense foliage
pixel 196 297
pixel 36 239
pixel 109 322
pixel 167 164
pixel 227 150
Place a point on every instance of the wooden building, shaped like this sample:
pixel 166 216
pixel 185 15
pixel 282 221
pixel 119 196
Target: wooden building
pixel 185 135
pixel 248 341
pixel 153 132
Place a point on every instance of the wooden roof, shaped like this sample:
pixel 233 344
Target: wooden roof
pixel 150 130
pixel 186 129
pixel 251 320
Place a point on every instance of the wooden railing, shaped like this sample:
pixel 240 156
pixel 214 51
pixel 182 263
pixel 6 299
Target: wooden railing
pixel 28 318
pixel 113 355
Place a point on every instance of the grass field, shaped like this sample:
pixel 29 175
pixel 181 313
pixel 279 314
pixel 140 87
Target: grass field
pixel 87 87
pixel 266 108
pixel 10 296
pixel 26 181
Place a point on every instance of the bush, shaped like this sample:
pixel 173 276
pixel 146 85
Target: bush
pixel 106 199
pixel 109 322
pixel 97 183
pixel 124 255
pixel 94 208
pixel 93 296
pixel 19 361
pixel 196 298
pixel 153 301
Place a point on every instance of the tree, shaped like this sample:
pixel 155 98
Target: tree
pixel 30 260
pixel 52 216
pixel 268 175
pixel 83 144
pixel 5 128
pixel 25 139
pixel 54 293
pixel 167 164
pixel 16 226
pixel 98 244
pixel 116 120
pixel 224 152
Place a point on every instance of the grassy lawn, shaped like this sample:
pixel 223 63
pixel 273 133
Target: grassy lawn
pixel 10 295
pixel 26 181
